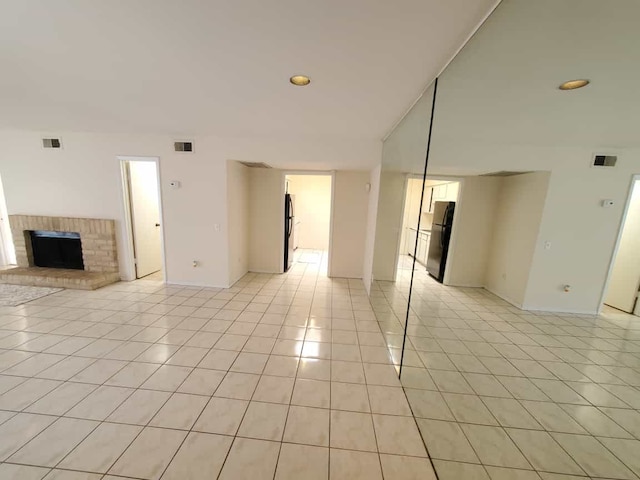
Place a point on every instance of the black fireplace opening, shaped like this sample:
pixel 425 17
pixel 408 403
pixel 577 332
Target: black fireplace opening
pixel 56 249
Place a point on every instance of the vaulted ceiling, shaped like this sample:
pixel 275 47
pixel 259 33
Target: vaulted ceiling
pixel 222 67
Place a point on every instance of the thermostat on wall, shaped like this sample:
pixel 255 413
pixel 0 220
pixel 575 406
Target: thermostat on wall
pixel 174 184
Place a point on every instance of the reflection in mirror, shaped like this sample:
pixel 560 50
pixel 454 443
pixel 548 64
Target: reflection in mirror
pixel 401 186
pixel 507 332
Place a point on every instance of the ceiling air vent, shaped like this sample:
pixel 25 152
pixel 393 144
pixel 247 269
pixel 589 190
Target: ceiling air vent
pixel 605 161
pixel 183 146
pixel 502 173
pixel 255 165
pixel 51 143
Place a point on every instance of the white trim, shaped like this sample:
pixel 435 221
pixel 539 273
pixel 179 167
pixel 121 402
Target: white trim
pixel 506 299
pixel 614 254
pixel 128 230
pixel 330 244
pixel 405 187
pixel 188 284
pixel 555 310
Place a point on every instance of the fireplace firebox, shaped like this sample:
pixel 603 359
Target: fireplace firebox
pixel 56 249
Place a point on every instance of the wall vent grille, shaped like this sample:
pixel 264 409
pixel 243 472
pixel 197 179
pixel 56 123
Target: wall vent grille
pixel 604 160
pixel 255 165
pixel 51 143
pixel 183 146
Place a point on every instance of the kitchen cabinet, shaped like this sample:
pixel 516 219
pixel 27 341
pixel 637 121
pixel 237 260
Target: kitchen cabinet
pixel 410 241
pixel 452 192
pixel 445 192
pixel 423 247
pixel 422 251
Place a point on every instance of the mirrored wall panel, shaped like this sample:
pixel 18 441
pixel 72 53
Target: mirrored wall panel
pixel 397 225
pixel 521 340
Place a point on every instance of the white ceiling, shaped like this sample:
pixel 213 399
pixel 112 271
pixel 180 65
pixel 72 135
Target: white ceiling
pixel 222 67
pixel 503 87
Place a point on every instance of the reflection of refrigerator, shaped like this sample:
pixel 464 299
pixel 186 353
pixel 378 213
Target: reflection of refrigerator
pixel 289 225
pixel 440 238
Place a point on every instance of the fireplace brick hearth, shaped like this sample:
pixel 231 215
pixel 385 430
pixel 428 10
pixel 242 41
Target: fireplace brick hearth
pixel 99 252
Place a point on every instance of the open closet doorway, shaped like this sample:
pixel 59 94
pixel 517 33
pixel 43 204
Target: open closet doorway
pixel 622 289
pixel 143 206
pixel 307 221
pixel 7 249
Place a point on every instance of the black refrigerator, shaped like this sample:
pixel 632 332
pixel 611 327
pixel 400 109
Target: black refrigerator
pixel 289 222
pixel 440 238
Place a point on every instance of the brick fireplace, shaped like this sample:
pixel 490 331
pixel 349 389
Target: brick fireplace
pixel 99 251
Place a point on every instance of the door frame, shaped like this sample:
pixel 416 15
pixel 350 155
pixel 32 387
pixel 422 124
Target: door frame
pixel 129 251
pixel 323 173
pixel 614 254
pixel 454 227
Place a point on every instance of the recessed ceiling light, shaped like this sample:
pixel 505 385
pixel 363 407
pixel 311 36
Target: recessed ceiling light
pixel 300 80
pixel 573 84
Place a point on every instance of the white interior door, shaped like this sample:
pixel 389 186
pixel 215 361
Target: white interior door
pixel 625 275
pixel 145 216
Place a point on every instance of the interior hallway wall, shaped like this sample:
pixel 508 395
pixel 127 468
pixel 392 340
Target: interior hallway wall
pixel 312 209
pixel 238 214
pixel 349 224
pixel 388 224
pixel 471 242
pixel 266 220
pixel 370 234
pixel 350 212
pixel 516 225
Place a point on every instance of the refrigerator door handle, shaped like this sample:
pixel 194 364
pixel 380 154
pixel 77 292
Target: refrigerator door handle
pixel 445 214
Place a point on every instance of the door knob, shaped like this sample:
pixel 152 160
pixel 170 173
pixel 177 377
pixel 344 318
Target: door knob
pixel 157 224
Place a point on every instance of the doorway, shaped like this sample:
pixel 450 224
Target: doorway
pixel 418 225
pixel 624 279
pixel 7 249
pixel 308 221
pixel 141 186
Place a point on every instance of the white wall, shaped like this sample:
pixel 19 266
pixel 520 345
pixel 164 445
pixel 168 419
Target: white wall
pixel 238 219
pixel 515 234
pixel 581 232
pixel 83 180
pixel 370 235
pixel 349 224
pixel 312 209
pixel 388 224
pixel 472 235
pixel 266 220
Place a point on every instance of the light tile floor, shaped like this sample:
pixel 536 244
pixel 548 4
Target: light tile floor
pixel 500 393
pixel 280 377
